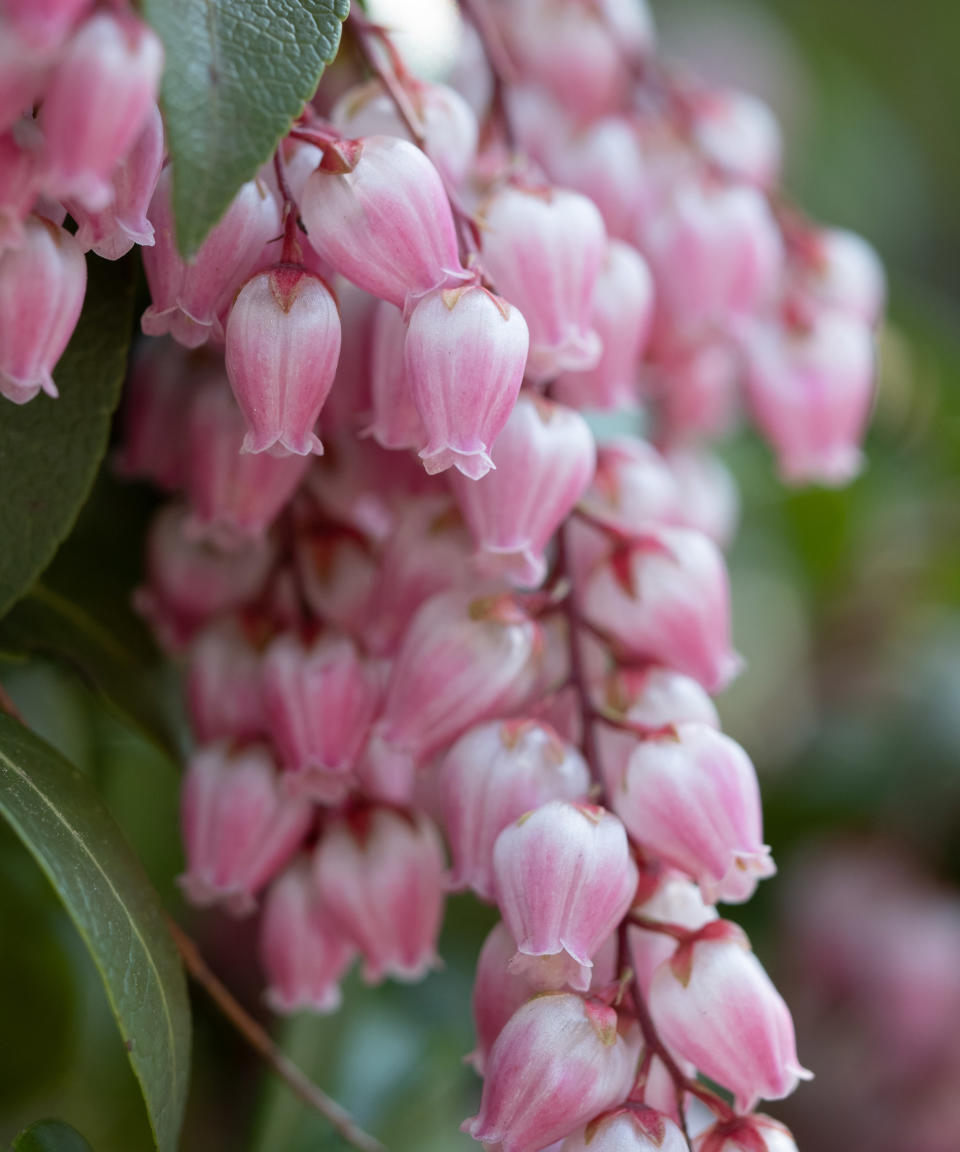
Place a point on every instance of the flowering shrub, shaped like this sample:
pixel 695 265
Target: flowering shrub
pixel 423 613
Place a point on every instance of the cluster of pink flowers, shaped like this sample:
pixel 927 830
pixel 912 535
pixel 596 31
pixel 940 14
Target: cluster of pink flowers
pixel 80 135
pixel 424 615
pixel 873 951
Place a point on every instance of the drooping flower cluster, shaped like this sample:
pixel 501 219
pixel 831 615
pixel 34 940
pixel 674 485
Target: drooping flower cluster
pixel 436 637
pixel 80 135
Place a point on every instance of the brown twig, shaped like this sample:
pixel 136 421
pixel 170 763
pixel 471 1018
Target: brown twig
pixel 260 1041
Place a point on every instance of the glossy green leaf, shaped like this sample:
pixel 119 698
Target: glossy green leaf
pixel 50 1136
pixel 50 449
pixel 237 74
pixel 45 622
pixel 57 814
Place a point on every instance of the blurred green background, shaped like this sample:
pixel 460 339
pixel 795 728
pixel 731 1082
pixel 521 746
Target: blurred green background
pixel 847 607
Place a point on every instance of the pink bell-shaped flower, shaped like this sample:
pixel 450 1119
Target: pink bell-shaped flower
pixel 224 695
pixel 97 102
pixel 666 599
pixel 42 285
pixel 564 879
pixel 233 494
pixel 189 581
pixel 543 460
pixel 631 1129
pixel 239 824
pixel 839 270
pixel 465 353
pixel 396 422
pixel 716 255
pixel 709 500
pixel 157 391
pixel 676 900
pixel 738 134
pixel 304 953
pixel 499 989
pixel 190 297
pixel 379 873
pixel 633 490
pixel 558 1062
pixel 21 171
pixel 337 573
pixel 449 125
pixel 691 797
pixel 696 387
pixel 283 343
pixel 114 230
pixel 714 1005
pixel 810 392
pixel 44 25
pixel 755 1133
pixel 427 552
pixel 544 248
pixel 376 209
pixel 622 315
pixel 493 775
pixel 603 160
pixel 320 701
pixel 464 658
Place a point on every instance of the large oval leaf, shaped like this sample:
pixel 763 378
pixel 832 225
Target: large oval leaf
pixel 59 817
pixel 50 1136
pixel 237 74
pixel 50 449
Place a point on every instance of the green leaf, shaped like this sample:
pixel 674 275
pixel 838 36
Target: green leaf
pixel 50 1136
pixel 56 813
pixel 50 449
pixel 238 72
pixel 47 623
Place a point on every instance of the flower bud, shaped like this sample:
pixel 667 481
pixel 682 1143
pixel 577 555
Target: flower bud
pixel 544 248
pixel 463 659
pixel 746 1134
pixel 233 494
pixel 396 422
pixel 558 1062
pixel 97 103
pixel 337 573
pixel 564 879
pixel 543 460
pixel 114 230
pixel 810 392
pixel 633 490
pixel 715 1005
pixel 239 825
pixel 224 696
pixel 632 1129
pixel 691 797
pixel 379 873
pixel 666 599
pixel 382 219
pixel 465 353
pixel 320 702
pixel 190 297
pixel 493 775
pixel 622 314
pixel 449 124
pixel 42 285
pixel 696 387
pixel 304 953
pixel 283 342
